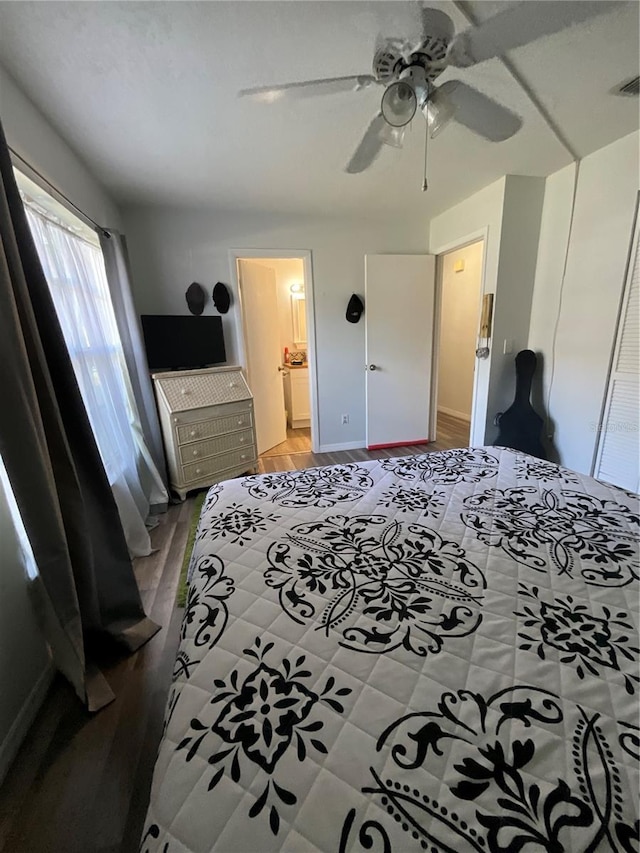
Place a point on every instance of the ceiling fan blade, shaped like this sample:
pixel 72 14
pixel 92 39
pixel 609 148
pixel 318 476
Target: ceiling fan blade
pixel 436 23
pixel 309 88
pixel 479 113
pixel 369 147
pixel 433 24
pixel 520 25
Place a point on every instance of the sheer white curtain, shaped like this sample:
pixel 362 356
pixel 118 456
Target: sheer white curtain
pixel 75 271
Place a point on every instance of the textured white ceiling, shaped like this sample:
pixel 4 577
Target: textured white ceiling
pixel 146 93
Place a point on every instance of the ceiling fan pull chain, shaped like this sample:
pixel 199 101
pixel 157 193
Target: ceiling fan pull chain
pixel 425 185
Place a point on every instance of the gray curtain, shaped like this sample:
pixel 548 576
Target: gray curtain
pixel 116 261
pixel 86 592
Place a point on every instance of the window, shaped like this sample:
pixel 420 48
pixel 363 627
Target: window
pixel 73 265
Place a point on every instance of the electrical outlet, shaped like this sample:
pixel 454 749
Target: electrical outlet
pixel 345 419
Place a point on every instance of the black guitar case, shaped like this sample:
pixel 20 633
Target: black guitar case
pixel 520 426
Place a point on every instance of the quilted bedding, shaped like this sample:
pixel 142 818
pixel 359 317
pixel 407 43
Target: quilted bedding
pixel 436 653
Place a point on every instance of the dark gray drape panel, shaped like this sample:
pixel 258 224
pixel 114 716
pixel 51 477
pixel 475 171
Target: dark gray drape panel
pixel 86 592
pixel 116 263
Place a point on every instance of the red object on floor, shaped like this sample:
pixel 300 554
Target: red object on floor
pixel 398 444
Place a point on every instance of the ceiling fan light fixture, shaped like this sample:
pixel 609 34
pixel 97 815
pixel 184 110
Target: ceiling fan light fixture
pixel 438 111
pixel 393 136
pixel 399 104
pixel 269 97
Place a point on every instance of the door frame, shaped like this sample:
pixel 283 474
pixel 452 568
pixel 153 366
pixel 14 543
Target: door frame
pixel 304 255
pixel 481 235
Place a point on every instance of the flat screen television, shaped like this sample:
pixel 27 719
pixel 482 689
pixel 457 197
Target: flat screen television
pixel 182 342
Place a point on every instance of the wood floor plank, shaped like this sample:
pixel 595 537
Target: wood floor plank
pixel 141 781
pixel 298 441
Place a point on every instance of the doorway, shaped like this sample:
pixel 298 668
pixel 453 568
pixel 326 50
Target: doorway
pixel 459 298
pixel 276 308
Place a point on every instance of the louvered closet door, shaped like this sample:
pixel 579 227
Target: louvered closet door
pixel 618 457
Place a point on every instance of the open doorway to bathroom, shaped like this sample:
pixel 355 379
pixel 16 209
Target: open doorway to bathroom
pixel 276 314
pixel 459 287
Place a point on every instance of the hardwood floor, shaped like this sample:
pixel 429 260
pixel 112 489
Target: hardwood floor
pixel 298 441
pixel 451 432
pixel 80 783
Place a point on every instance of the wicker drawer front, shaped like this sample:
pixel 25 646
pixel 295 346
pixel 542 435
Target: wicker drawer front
pixel 204 389
pixel 215 464
pixel 207 429
pixel 214 446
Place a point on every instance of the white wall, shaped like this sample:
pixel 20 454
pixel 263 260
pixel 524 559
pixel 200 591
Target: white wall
pixel 508 212
pixel 605 204
pixel 459 320
pixel 478 214
pixel 170 248
pixel 32 137
pixel 24 663
pixel 521 216
pixel 24 658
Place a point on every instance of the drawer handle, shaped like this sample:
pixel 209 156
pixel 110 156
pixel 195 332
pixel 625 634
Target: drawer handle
pixel 184 391
pixel 241 422
pixel 242 440
pixel 193 433
pixel 232 384
pixel 198 471
pixel 243 456
pixel 195 452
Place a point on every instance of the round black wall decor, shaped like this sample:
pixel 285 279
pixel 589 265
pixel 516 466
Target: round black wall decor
pixel 196 297
pixel 221 298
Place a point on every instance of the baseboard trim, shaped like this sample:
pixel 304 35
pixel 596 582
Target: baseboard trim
pixel 22 723
pixel 346 445
pixel 461 415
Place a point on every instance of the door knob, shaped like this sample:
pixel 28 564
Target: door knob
pixel 373 367
pixel 280 368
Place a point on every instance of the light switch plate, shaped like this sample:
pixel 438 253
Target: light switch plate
pixel 508 346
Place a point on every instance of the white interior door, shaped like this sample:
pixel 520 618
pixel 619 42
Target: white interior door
pixel 399 304
pixel 262 344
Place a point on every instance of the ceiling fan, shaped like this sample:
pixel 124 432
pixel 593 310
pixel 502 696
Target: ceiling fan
pixel 408 69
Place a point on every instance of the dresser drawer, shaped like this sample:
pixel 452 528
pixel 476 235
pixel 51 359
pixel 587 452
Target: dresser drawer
pixel 215 446
pixel 216 426
pixel 207 413
pixel 197 389
pixel 218 464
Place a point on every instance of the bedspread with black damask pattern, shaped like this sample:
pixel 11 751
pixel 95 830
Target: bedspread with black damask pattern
pixel 434 653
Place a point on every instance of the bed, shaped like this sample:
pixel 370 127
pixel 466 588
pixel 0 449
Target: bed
pixel 435 652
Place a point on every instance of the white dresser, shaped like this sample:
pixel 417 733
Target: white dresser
pixel 207 425
pixel 296 396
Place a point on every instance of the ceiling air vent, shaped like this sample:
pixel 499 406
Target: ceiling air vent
pixel 631 87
